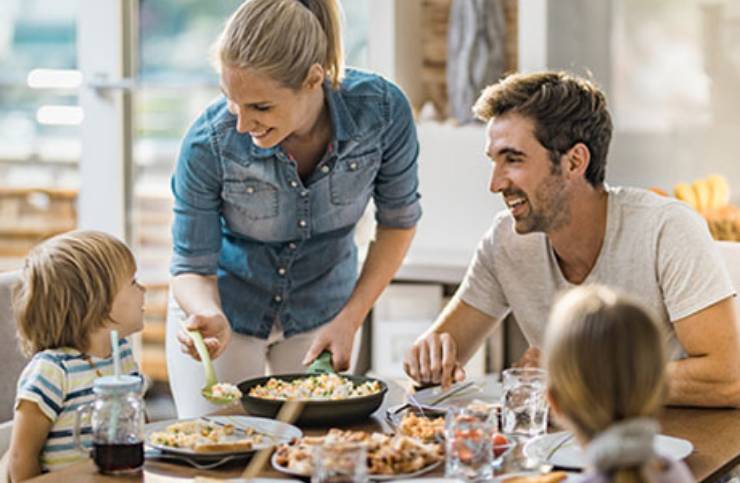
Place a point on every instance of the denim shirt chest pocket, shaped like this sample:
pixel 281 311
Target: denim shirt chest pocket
pixel 353 177
pixel 251 201
pixel 251 198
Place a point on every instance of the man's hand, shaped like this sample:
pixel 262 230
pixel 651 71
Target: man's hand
pixel 433 360
pixel 531 358
pixel 337 337
pixel 215 330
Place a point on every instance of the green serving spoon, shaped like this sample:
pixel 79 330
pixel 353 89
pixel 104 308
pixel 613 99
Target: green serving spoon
pixel 210 372
pixel 322 364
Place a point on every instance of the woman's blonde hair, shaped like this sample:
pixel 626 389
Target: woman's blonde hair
pixel 67 288
pixel 283 39
pixel 606 361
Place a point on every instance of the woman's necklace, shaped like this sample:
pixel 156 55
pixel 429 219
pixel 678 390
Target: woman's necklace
pixel 92 365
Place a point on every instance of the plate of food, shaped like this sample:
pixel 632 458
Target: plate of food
pixel 426 428
pixel 219 436
pixel 562 450
pixel 389 457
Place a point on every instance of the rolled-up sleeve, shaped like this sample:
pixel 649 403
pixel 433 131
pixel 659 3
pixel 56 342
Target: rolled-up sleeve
pixel 396 192
pixel 196 187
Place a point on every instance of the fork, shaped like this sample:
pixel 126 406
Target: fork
pixel 567 437
pixel 161 455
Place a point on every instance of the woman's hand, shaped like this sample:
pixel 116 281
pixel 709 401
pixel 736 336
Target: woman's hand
pixel 337 337
pixel 213 327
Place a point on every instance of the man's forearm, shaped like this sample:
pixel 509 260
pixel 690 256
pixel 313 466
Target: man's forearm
pixel 467 325
pixel 699 381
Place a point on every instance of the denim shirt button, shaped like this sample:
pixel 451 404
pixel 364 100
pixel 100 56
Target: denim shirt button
pixel 250 189
pixel 281 271
pixel 292 246
pixel 277 298
pixel 302 223
pixel 294 184
pixel 304 193
pixel 353 166
pixel 325 169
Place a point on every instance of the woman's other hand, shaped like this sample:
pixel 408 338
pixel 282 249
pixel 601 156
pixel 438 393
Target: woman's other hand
pixel 213 327
pixel 337 337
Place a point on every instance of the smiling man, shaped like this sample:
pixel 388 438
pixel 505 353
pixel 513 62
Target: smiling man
pixel 548 136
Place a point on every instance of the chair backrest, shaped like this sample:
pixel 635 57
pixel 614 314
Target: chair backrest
pixel 730 252
pixel 12 359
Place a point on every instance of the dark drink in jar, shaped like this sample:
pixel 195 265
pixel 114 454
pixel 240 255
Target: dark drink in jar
pixel 118 458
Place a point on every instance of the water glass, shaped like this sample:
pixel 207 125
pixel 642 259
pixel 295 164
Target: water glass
pixel 524 403
pixel 337 462
pixel 469 451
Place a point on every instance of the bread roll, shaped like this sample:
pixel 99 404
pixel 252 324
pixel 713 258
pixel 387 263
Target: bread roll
pixel 685 193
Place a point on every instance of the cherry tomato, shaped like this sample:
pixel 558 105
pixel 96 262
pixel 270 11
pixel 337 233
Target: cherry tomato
pixel 500 444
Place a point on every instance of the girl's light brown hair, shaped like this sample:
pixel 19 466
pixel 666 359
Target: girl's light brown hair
pixel 67 288
pixel 606 361
pixel 283 39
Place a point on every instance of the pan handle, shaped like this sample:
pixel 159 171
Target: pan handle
pixel 321 365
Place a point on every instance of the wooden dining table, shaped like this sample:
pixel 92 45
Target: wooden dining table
pixel 715 434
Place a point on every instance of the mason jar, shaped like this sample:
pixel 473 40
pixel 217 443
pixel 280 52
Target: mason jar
pixel 116 422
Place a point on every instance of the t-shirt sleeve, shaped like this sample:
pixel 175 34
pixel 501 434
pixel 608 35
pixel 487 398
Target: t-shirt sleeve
pixel 42 382
pixel 691 272
pixel 481 288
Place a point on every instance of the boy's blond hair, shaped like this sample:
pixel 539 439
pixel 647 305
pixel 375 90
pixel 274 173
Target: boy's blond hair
pixel 67 288
pixel 606 362
pixel 283 39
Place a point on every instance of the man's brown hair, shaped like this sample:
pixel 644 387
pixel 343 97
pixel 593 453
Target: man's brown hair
pixel 565 110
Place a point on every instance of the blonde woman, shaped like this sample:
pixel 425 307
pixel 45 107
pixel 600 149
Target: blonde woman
pixel 606 363
pixel 74 289
pixel 270 183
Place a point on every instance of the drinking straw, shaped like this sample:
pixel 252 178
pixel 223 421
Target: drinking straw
pixel 116 353
pixel 115 408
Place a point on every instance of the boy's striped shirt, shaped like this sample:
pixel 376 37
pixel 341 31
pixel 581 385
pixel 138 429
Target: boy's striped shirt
pixel 59 381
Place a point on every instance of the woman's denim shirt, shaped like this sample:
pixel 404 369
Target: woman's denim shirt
pixel 281 248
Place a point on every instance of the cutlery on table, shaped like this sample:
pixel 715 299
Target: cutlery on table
pixel 454 390
pixel 161 455
pixel 566 437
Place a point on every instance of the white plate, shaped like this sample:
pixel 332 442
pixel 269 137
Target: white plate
pixel 570 454
pixel 402 476
pixel 285 432
pixel 434 480
pixel 486 389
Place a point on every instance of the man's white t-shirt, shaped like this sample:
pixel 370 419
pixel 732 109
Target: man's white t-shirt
pixel 656 249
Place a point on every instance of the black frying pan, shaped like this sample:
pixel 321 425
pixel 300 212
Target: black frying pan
pixel 315 412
